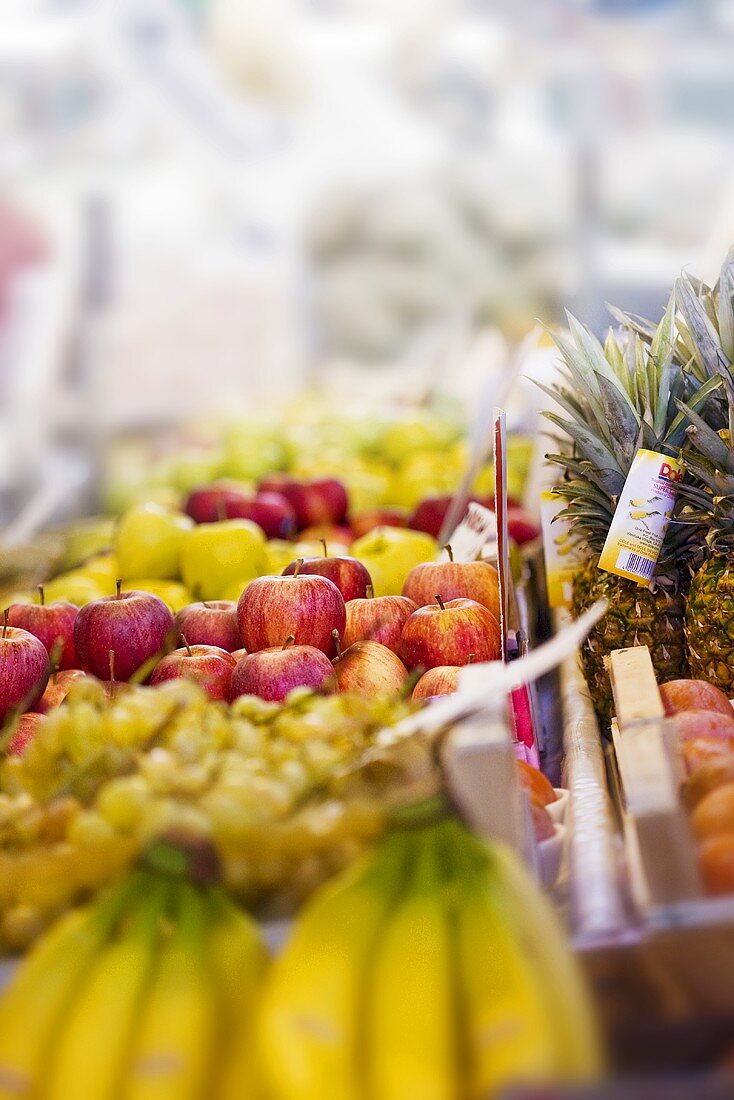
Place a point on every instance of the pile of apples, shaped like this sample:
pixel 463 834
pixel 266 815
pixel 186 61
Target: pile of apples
pixel 705 725
pixel 318 625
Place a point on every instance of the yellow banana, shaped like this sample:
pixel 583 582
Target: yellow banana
pixel 411 1027
pixel 89 1056
pixel 172 1051
pixel 309 1028
pixel 239 960
pixel 45 984
pixel 507 1035
pixel 541 936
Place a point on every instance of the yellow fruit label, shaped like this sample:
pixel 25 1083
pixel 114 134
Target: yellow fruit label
pixel 642 516
pixel 560 549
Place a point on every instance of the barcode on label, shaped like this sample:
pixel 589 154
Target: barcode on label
pixel 636 563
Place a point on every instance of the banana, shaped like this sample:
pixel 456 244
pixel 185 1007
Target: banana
pixel 89 1056
pixel 172 1051
pixel 411 1034
pixel 44 986
pixel 539 932
pixel 239 961
pixel 507 1035
pixel 309 1028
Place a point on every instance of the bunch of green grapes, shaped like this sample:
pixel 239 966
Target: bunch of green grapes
pixel 288 793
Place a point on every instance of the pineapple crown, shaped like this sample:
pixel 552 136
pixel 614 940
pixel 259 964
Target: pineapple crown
pixel 706 337
pixel 618 398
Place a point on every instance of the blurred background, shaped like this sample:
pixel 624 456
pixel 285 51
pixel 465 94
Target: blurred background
pixel 208 205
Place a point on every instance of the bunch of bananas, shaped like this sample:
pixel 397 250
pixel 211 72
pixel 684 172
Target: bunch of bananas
pixel 433 970
pixel 146 994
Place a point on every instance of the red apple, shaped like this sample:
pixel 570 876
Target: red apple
pixel 681 695
pixel 521 526
pixel 348 574
pixel 207 665
pixel 24 669
pixel 307 606
pixel 441 680
pixel 58 687
pixel 116 635
pixel 273 673
pixel 229 500
pixel 26 729
pixel 321 501
pixel 453 633
pixel 702 733
pixel 327 532
pixel 365 522
pixel 377 619
pixel 51 623
pixel 430 514
pixel 369 668
pixel 470 580
pixel 212 622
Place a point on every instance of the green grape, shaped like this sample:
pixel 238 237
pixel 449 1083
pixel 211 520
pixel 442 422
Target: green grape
pixel 123 802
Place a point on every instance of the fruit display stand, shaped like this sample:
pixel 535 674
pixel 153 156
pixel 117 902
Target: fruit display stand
pixel 659 953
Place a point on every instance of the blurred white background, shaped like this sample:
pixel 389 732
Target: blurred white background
pixel 208 204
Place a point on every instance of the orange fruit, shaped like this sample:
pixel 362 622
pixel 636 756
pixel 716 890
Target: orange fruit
pixel 716 858
pixel 709 775
pixel 535 783
pixel 697 751
pixel 714 814
pixel 680 695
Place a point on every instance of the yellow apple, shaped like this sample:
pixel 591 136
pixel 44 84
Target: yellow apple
pixel 278 554
pixel 390 553
pixel 75 587
pixel 418 431
pixel 215 555
pixel 174 594
pixel 234 590
pixel 149 540
pixel 103 569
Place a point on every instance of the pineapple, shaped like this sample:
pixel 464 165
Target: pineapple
pixel 707 333
pixel 621 397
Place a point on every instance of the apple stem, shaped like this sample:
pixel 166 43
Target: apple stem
pixel 471 658
pixel 206 605
pixel 188 647
pixel 337 642
pixel 289 641
pixel 440 603
pixel 449 551
pixel 297 570
pixel 41 595
pixel 323 543
pixel 118 586
pixel 112 663
pixel 221 510
pixel 370 591
pixel 6 614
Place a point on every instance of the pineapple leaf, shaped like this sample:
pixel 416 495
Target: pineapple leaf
pixel 676 433
pixel 583 378
pixel 663 341
pixel 592 350
pixel 644 328
pixel 726 307
pixel 710 445
pixel 624 423
pixel 706 347
pixel 589 444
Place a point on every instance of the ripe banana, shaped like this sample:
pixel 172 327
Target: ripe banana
pixel 90 1054
pixel 172 1051
pixel 309 1037
pixel 44 985
pixel 410 1012
pixel 239 960
pixel 527 911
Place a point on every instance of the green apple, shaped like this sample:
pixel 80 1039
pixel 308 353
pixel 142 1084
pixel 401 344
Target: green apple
pixel 74 587
pixel 174 594
pixel 149 539
pixel 390 553
pixel 215 555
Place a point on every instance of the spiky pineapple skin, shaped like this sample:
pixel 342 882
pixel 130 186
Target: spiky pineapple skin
pixel 636 616
pixel 710 621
